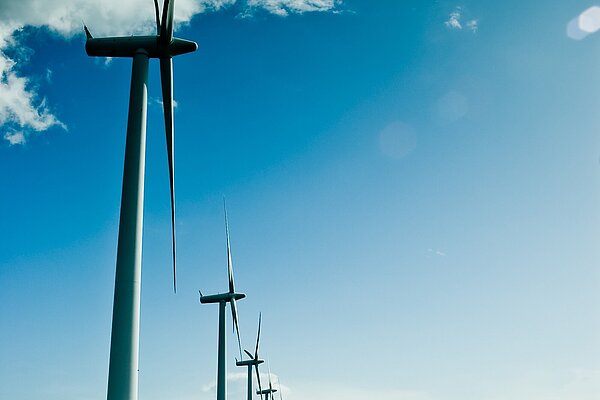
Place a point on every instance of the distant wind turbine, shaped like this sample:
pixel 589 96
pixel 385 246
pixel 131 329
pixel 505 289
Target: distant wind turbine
pixel 252 361
pixel 223 298
pixel 124 345
pixel 268 392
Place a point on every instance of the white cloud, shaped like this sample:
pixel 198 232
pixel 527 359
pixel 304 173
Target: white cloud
pixel 240 377
pixel 15 137
pixel 22 109
pixel 19 103
pixel 453 21
pixel 285 7
pixel 473 25
pixel 158 102
pixel 231 377
pixel 431 251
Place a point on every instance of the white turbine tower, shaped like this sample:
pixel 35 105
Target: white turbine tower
pixel 223 298
pixel 124 345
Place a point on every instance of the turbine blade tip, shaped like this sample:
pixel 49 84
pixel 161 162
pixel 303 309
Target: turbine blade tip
pixel 88 35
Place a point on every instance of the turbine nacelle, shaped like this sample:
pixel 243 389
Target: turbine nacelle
pixel 266 391
pixel 222 297
pixel 248 362
pixel 128 46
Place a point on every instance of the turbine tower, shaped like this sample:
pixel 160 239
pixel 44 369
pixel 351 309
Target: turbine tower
pixel 124 344
pixel 252 361
pixel 223 298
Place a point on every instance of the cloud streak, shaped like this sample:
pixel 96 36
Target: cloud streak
pixel 285 7
pixel 23 111
pixel 235 377
pixel 436 252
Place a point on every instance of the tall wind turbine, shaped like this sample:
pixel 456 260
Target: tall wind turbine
pixel 124 345
pixel 252 361
pixel 223 298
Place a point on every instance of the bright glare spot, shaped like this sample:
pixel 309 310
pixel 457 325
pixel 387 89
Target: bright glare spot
pixel 397 140
pixel 589 20
pixel 573 30
pixel 584 24
pixel 452 106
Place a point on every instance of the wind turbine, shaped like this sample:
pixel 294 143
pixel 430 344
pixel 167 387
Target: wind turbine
pixel 124 344
pixel 252 361
pixel 268 391
pixel 223 298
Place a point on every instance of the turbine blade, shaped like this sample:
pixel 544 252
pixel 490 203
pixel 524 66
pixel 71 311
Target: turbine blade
pixel 279 387
pixel 156 12
pixel 258 379
pixel 249 354
pixel 236 325
pixel 88 35
pixel 257 336
pixel 269 369
pixel 166 26
pixel 166 77
pixel 229 262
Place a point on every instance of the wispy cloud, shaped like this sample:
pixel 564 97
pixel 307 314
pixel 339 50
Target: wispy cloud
pixel 21 109
pixel 235 377
pixel 231 377
pixel 454 21
pixel 24 111
pixel 473 25
pixel 285 7
pixel 15 137
pixel 436 252
pixel 322 391
pixel 158 101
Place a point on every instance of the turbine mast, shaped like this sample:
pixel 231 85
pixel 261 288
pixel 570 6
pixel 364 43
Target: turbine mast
pixel 124 342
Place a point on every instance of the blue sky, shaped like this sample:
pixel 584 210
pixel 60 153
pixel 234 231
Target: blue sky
pixel 412 191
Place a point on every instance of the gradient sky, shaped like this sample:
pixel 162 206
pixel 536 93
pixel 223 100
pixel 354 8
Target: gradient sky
pixel 413 192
